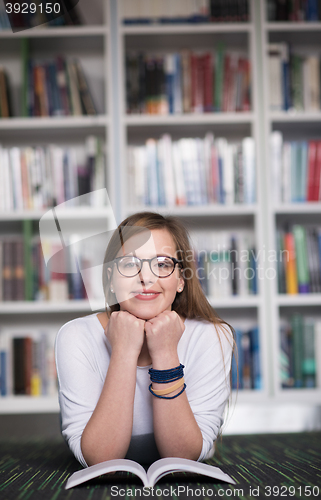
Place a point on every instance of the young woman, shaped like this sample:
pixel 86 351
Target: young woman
pixel 149 377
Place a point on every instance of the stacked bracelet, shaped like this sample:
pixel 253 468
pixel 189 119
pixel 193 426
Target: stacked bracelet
pixel 165 376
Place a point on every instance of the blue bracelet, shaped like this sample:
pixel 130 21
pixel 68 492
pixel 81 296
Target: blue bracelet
pixel 164 376
pixel 166 397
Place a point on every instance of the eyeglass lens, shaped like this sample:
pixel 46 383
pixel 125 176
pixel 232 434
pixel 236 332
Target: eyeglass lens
pixel 160 266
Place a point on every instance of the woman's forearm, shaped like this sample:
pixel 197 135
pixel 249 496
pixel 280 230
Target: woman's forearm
pixel 108 432
pixel 177 433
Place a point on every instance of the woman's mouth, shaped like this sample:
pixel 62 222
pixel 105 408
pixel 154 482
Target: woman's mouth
pixel 150 295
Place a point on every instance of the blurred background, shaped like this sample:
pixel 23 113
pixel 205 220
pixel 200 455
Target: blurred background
pixel 209 110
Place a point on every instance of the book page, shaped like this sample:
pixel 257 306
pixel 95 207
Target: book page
pixel 168 465
pixel 97 470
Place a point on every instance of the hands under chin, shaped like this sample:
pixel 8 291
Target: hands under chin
pixel 163 334
pixel 126 334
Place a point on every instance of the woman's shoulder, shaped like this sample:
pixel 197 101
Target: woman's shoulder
pixel 78 327
pixel 208 332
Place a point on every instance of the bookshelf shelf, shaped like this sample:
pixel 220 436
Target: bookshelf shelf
pixel 308 299
pixel 173 29
pixel 189 119
pixel 66 122
pixel 199 210
pixel 29 404
pixel 253 301
pixel 295 117
pixel 312 207
pixel 81 212
pixel 45 307
pixel 292 26
pixel 61 32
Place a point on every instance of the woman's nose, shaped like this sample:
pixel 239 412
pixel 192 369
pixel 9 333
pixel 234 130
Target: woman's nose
pixel 146 275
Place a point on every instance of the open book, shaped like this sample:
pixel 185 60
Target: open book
pixel 156 471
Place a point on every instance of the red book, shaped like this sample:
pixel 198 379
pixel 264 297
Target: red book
pixel 208 82
pixel 317 184
pixel 312 155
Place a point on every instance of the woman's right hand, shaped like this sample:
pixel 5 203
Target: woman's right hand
pixel 125 333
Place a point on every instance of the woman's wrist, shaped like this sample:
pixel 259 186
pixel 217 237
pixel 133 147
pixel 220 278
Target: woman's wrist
pixel 165 361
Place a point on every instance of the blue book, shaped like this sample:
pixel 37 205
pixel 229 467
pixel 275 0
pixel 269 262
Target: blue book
pixel 255 358
pixel 237 361
pixel 3 373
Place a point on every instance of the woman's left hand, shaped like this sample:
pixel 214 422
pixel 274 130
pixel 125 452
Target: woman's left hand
pixel 162 334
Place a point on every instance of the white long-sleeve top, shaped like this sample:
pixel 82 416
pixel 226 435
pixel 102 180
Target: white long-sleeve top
pixel 82 359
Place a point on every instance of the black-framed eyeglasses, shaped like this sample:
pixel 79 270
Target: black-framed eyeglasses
pixel 161 266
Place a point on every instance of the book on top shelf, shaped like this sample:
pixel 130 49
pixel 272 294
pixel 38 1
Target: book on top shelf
pixel 279 10
pixel 62 14
pixel 184 11
pixel 155 472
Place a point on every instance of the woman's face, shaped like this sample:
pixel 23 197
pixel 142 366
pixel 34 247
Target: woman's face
pixel 145 295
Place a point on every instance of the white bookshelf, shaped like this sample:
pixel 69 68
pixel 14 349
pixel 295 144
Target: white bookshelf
pixel 294 125
pixel 101 46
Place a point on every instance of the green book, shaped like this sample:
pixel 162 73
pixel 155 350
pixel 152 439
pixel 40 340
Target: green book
pixel 301 258
pixel 308 362
pixel 219 77
pixel 297 348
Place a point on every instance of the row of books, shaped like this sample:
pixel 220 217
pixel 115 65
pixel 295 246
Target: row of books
pixel 289 10
pixel 300 348
pixel 296 169
pixel 246 362
pixel 5 102
pixel 29 14
pixel 40 269
pixel 226 263
pixel 184 11
pixel 299 259
pixel 55 87
pixel 27 364
pixel 44 176
pixel 188 82
pixel 294 79
pixel 192 171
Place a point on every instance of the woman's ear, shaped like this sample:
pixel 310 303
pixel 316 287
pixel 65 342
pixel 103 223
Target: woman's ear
pixel 181 283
